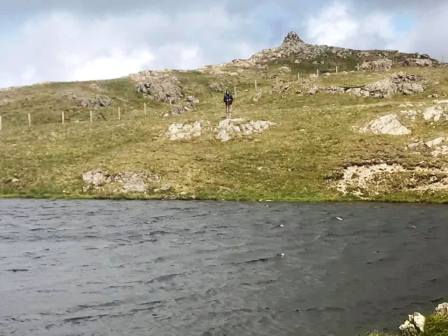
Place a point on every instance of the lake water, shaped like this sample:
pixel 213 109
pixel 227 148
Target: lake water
pixel 212 268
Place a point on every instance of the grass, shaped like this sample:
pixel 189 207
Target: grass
pixel 436 325
pixel 294 161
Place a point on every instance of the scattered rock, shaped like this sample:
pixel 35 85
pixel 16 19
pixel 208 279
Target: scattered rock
pixel 377 65
pixel 229 128
pixel 421 62
pixel 123 182
pixel 95 102
pixel 397 83
pixel 192 100
pixel 388 124
pixel 381 178
pixel 435 113
pixel 180 131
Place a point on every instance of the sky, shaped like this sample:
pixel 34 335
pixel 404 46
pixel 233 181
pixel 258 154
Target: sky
pixel 73 40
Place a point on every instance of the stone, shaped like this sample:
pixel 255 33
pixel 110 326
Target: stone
pixel 377 65
pixel 94 102
pixel 123 182
pixel 179 131
pixel 388 124
pixel 132 182
pixel 230 128
pixel 442 309
pixel 434 113
pixel 193 100
pixel 95 178
pixel 313 90
pixel 414 325
pixel 159 86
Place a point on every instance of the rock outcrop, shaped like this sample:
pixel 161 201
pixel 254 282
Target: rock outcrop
pixel 414 325
pixel 370 179
pixel 442 310
pixel 231 128
pixel 377 65
pixel 436 113
pixel 396 84
pixel 179 131
pixel 388 124
pixel 437 146
pixel 123 182
pixel 159 86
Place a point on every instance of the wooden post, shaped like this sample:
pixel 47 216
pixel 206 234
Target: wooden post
pixel 298 76
pixel 357 67
pixel 63 117
pixel 144 109
pixel 337 69
pixel 317 72
pixel 29 120
pixel 234 91
pixel 256 86
pixel 91 116
pixel 119 113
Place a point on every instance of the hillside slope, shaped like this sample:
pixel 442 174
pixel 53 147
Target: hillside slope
pixel 343 125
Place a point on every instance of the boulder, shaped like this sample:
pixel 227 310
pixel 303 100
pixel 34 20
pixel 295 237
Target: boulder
pixel 435 113
pixel 377 65
pixel 123 182
pixel 159 86
pixel 95 178
pixel 179 131
pixel 442 309
pixel 94 102
pixel 388 124
pixel 414 325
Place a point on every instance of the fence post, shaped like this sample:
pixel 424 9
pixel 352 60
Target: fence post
pixel 298 76
pixel 91 116
pixel 63 117
pixel 144 109
pixel 317 72
pixel 256 86
pixel 29 120
pixel 119 113
pixel 234 91
pixel 337 69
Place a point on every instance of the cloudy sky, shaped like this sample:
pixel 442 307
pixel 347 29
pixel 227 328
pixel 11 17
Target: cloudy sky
pixel 65 40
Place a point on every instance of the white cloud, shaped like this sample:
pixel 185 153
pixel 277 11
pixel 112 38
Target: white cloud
pixel 64 46
pixel 338 25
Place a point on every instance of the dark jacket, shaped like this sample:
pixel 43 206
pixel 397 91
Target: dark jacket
pixel 228 99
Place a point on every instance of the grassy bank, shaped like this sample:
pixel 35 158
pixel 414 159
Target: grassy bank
pixel 435 325
pixel 300 159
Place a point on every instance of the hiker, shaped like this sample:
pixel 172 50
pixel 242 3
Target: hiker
pixel 228 100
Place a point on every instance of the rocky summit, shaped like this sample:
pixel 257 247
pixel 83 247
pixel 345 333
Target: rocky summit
pixel 309 122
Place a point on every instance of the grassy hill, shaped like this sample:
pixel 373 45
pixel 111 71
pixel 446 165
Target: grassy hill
pixel 302 158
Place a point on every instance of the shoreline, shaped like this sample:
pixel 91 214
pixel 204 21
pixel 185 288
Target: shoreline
pixel 186 198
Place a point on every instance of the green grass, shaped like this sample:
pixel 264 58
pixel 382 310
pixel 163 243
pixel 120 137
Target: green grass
pixel 295 161
pixel 435 325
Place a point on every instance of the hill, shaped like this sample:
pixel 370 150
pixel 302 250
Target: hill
pixel 309 123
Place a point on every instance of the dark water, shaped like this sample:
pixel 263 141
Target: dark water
pixel 205 268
